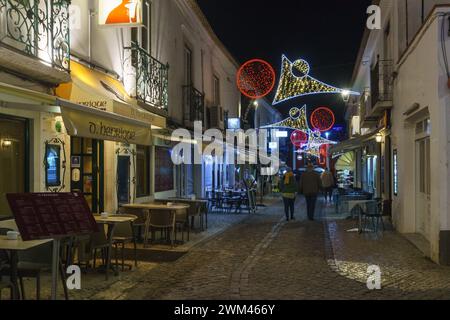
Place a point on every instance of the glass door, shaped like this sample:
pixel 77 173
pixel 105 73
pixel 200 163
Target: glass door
pixel 14 159
pixel 87 172
pixel 423 187
pixel 123 180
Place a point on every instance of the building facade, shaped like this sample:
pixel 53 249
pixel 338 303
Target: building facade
pixel 399 125
pixel 89 98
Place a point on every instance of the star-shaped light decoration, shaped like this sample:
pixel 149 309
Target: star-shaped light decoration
pixel 295 81
pixel 297 120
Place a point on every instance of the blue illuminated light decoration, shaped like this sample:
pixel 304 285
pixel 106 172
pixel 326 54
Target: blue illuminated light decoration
pixel 292 86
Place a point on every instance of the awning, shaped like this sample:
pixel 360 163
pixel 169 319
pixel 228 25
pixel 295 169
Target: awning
pixel 14 97
pixel 79 120
pixel 346 162
pixel 97 90
pixel 353 143
pixel 92 123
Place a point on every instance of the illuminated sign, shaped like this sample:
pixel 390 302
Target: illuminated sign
pixel 120 12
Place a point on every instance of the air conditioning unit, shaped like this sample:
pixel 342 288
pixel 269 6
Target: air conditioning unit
pixel 216 120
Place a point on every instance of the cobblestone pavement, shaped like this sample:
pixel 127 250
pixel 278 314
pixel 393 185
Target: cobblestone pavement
pixel 264 257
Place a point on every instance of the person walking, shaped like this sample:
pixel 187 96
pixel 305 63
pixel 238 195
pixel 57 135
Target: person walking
pixel 327 184
pixel 288 188
pixel 310 185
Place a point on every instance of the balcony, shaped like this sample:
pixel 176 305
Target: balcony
pixel 193 105
pixel 148 80
pixel 381 87
pixel 34 38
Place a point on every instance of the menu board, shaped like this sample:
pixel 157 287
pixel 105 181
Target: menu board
pixel 51 215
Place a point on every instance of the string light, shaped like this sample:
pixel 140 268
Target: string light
pixel 292 86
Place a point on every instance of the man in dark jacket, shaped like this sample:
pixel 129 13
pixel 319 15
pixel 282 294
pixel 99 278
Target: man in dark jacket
pixel 310 185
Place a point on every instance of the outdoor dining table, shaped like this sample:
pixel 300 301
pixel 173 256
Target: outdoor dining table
pixel 111 222
pixel 14 247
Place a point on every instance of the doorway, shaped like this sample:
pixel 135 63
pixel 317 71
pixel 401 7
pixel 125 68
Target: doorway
pixel 423 187
pixel 87 171
pixel 14 158
pixel 123 180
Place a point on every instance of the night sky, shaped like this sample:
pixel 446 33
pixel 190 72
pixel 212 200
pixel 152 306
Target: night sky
pixel 326 33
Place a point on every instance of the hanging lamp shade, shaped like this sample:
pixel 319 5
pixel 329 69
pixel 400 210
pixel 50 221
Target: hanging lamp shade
pixel 346 162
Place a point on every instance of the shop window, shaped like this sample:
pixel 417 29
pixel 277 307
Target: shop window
pixel 164 170
pixel 14 159
pixel 142 171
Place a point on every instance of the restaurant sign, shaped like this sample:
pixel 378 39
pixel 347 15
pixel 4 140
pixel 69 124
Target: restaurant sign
pixel 120 12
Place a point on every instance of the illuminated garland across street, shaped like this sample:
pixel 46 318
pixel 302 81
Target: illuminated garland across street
pixel 295 81
pixel 298 121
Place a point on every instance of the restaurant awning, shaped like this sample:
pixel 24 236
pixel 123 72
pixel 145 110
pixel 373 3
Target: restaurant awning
pixel 79 120
pixel 94 89
pixel 92 123
pixel 353 143
pixel 14 97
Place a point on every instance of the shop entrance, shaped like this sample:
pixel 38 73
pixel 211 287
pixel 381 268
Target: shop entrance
pixel 123 179
pixel 423 187
pixel 14 159
pixel 87 171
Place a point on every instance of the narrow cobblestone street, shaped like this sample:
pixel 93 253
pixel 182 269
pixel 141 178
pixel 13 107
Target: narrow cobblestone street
pixel 264 257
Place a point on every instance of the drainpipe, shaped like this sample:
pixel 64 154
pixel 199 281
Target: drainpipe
pixel 91 14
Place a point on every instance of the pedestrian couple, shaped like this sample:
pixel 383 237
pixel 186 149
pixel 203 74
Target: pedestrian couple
pixel 309 185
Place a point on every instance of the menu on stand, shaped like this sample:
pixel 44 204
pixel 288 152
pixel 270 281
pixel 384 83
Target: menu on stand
pixel 51 215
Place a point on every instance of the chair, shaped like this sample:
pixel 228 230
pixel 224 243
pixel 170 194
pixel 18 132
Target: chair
pixel 182 220
pixel 160 219
pixel 98 241
pixel 124 234
pixel 4 263
pixel 373 215
pixel 139 223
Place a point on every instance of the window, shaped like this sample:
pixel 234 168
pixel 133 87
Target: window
pixel 142 171
pixel 14 158
pixel 142 35
pixel 187 66
pixel 164 170
pixel 216 88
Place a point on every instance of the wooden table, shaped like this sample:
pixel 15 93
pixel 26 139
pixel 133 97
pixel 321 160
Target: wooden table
pixel 156 206
pixel 14 246
pixel 111 221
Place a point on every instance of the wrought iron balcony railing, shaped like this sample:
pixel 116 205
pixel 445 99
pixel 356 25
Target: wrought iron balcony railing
pixel 152 78
pixel 38 28
pixel 193 104
pixel 381 82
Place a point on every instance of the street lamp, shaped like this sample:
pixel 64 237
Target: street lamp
pixel 327 134
pixel 379 137
pixel 346 95
pixel 256 104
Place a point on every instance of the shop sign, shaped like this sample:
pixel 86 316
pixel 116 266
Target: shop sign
pixel 120 12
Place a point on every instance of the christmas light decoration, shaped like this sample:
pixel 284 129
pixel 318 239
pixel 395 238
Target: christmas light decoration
pixel 256 79
pixel 301 83
pixel 323 119
pixel 299 138
pixel 297 120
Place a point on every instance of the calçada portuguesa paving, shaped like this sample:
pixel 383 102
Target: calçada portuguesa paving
pixel 262 256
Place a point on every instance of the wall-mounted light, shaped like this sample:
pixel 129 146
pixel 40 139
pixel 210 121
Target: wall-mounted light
pixel 379 138
pixel 6 143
